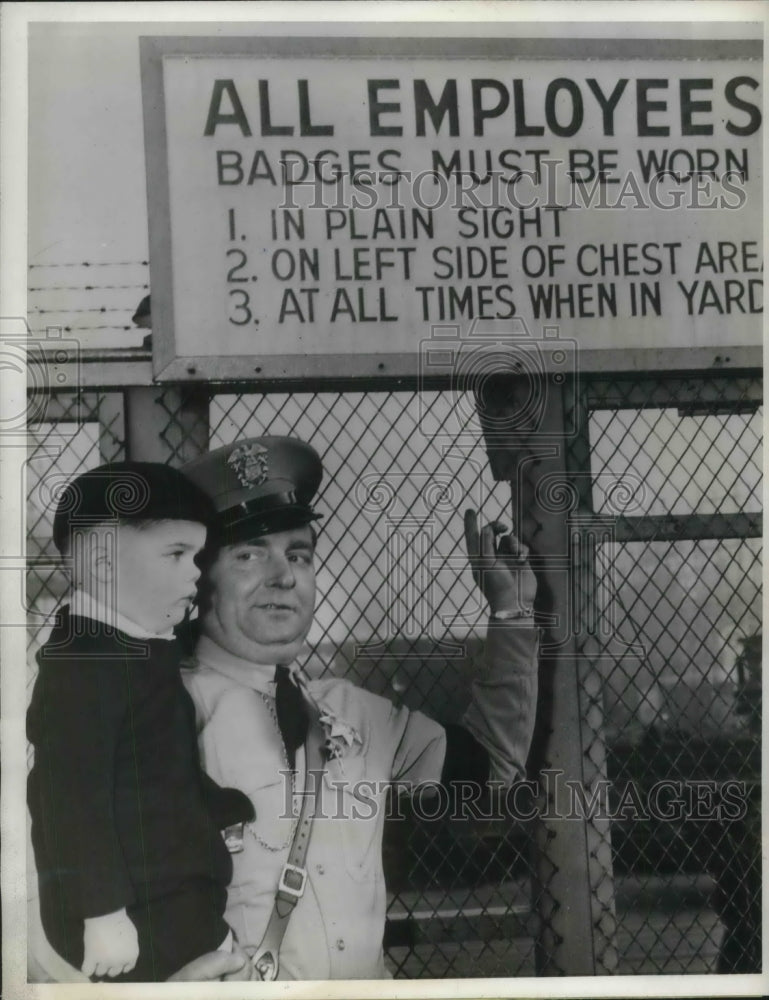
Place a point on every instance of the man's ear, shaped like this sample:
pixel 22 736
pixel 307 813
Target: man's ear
pixel 101 556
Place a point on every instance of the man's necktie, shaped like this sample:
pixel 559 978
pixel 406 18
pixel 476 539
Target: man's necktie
pixel 291 712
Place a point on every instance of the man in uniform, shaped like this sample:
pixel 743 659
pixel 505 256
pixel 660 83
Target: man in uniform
pixel 308 897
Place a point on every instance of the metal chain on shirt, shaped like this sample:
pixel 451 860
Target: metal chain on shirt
pixel 251 827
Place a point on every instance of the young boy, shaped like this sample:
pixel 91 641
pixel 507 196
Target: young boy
pixel 132 868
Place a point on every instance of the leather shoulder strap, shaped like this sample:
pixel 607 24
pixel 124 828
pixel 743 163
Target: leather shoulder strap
pixel 293 876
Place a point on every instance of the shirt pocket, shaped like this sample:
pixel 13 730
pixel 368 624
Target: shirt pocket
pixel 354 804
pixel 276 814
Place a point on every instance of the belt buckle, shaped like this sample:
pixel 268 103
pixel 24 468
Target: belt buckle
pixel 266 966
pixel 289 869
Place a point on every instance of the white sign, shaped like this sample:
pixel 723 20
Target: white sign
pixel 325 206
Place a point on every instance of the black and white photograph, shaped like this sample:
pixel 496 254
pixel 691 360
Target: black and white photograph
pixel 381 456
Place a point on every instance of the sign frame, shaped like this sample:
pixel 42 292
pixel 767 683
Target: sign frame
pixel 172 366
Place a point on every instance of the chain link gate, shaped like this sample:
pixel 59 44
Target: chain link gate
pixel 672 516
pixel 397 613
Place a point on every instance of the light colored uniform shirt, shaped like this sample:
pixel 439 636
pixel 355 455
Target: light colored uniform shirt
pixel 336 929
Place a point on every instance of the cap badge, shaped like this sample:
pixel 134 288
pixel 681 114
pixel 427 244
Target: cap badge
pixel 249 462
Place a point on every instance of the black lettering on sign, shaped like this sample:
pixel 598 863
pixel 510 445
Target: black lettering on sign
pixel 236 116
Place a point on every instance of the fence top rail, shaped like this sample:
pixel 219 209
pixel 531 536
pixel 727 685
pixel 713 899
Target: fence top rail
pixel 125 367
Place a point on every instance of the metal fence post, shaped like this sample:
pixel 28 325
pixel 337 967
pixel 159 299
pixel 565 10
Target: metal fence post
pixel 111 409
pixel 166 424
pixel 587 532
pixel 529 450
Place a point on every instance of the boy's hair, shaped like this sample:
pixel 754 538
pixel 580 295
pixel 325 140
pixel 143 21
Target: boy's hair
pixel 128 493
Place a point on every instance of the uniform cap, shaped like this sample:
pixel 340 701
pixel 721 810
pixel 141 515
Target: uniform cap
pixel 126 492
pixel 259 486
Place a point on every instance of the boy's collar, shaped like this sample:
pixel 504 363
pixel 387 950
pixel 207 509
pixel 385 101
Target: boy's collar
pixel 87 606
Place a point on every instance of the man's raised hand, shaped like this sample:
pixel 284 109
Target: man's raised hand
pixel 500 566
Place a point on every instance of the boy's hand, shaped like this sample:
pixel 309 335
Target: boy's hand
pixel 111 944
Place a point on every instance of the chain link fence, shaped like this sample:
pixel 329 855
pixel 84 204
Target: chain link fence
pixel 676 601
pixel 665 528
pixel 81 430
